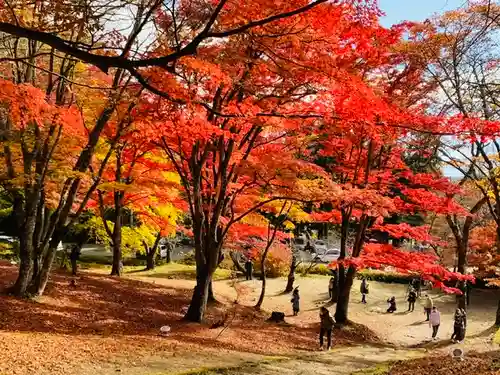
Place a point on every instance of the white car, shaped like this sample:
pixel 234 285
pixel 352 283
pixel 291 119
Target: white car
pixel 329 256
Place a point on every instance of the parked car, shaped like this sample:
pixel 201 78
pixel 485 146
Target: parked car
pixel 329 256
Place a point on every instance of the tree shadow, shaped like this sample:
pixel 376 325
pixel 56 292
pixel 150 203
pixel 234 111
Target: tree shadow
pixel 487 332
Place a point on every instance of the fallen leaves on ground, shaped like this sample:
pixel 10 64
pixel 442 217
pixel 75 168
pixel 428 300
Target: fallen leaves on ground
pixel 473 363
pixel 106 319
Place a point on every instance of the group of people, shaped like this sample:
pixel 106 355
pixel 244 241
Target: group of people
pixel 433 315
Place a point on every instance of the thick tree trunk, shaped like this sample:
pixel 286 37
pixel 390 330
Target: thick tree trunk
pixel 117 256
pixel 43 276
pixel 291 275
pixel 258 305
pixel 26 258
pixel 150 260
pixel 345 285
pixel 198 305
pixel 497 319
pixel 169 254
pixel 25 271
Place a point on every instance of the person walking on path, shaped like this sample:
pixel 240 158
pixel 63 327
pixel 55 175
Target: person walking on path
pixel 249 269
pixel 429 304
pixel 459 324
pixel 363 290
pixel 412 298
pixel 326 327
pixel 331 285
pixel 434 321
pixel 74 257
pixel 295 301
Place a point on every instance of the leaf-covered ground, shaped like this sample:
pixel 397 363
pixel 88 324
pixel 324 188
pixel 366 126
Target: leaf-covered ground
pixel 108 320
pixel 473 364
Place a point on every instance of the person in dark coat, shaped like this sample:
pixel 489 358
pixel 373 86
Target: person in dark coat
pixel 74 257
pixel 249 269
pixel 392 304
pixel 459 325
pixel 412 298
pixel 326 327
pixel 331 286
pixel 363 290
pixel 295 301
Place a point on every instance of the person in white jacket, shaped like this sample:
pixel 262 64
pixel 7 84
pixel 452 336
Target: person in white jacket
pixel 434 321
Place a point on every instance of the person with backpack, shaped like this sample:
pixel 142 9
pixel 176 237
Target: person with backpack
pixel 459 325
pixel 295 301
pixel 412 298
pixel 363 290
pixel 326 327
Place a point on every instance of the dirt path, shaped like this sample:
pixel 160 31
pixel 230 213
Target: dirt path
pixel 345 360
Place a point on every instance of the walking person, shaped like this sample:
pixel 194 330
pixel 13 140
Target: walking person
pixel 392 304
pixel 74 256
pixel 249 269
pixel 363 290
pixel 429 304
pixel 331 285
pixel 295 301
pixel 459 325
pixel 434 321
pixel 326 327
pixel 412 298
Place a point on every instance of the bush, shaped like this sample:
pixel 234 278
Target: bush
pixel 277 261
pixel 317 269
pixel 188 259
pixel 385 277
pixel 9 251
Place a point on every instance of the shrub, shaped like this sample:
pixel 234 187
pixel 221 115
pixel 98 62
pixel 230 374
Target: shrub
pixel 277 261
pixel 188 259
pixel 385 277
pixel 317 269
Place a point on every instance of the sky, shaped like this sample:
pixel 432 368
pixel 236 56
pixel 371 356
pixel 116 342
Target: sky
pixel 414 10
pixel 418 10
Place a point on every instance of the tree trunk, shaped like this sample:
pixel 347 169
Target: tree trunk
pixel 237 264
pixel 25 270
pixel 345 284
pixel 291 275
pixel 43 276
pixel 117 257
pixel 258 305
pixel 497 319
pixel 169 254
pixel 117 237
pixel 26 258
pixel 198 305
pixel 150 260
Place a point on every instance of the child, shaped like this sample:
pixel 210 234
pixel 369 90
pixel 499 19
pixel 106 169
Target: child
pixel 392 304
pixel 434 321
pixel 327 323
pixel 295 301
